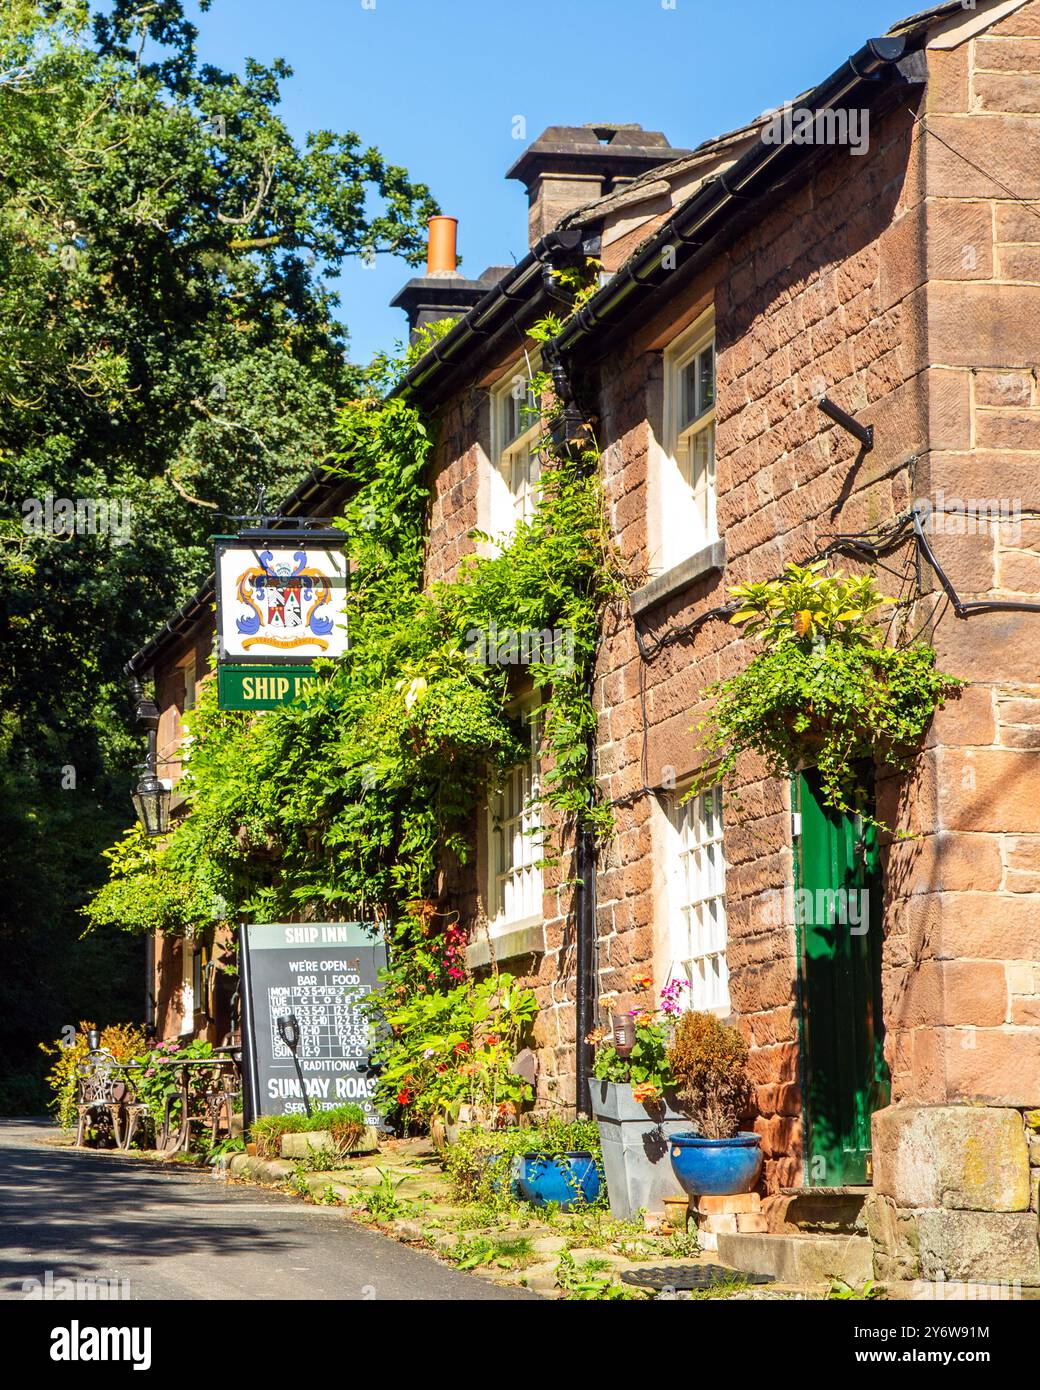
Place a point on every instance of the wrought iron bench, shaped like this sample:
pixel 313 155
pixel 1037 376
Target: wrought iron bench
pixel 104 1092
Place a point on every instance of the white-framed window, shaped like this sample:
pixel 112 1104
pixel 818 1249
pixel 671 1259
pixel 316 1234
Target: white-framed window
pixel 514 846
pixel 191 983
pixel 515 430
pixel 697 900
pixel 687 501
pixel 189 683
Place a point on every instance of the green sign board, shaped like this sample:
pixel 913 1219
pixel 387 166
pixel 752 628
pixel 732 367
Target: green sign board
pixel 261 687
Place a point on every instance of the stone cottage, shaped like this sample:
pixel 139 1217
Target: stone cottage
pixel 821 326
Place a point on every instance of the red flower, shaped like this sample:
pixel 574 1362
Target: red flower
pixel 462 1047
pixel 403 1097
pixel 492 1038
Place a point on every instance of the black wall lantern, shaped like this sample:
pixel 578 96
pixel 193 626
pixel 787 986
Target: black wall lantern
pixel 289 1032
pixel 151 799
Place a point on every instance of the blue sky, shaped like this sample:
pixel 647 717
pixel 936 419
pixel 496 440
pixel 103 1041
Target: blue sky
pixel 437 85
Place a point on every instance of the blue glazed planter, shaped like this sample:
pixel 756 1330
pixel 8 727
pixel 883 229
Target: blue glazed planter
pixel 501 1173
pixel 715 1167
pixel 570 1179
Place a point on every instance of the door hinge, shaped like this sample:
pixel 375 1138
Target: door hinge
pixel 796 824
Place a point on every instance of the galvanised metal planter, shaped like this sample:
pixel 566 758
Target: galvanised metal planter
pixel 716 1167
pixel 634 1137
pixel 571 1179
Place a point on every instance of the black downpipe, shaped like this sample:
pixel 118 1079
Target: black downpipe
pixel 567 440
pixel 585 964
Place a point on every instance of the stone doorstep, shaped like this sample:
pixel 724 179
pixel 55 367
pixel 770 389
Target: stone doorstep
pixel 799 1259
pixel 817 1210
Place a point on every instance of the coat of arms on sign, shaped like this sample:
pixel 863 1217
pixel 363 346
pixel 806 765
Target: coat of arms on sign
pixel 283 602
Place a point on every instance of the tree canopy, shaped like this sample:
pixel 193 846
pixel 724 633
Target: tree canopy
pixel 168 342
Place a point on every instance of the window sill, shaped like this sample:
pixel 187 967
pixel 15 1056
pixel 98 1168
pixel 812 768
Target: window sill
pixel 679 577
pixel 517 939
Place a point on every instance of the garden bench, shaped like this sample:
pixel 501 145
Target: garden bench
pixel 104 1092
pixel 219 1101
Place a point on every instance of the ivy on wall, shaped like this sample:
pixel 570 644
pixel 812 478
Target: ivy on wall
pixel 353 799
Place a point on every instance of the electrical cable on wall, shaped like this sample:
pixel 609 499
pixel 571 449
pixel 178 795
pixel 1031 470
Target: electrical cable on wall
pixel 869 546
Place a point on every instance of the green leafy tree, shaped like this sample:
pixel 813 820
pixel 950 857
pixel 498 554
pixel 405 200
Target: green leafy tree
pixel 168 342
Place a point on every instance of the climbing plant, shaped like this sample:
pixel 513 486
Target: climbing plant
pixel 826 689
pixel 355 797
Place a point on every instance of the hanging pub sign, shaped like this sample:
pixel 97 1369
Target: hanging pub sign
pixel 315 973
pixel 281 602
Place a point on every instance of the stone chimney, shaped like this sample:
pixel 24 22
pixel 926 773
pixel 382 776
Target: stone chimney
pixel 442 293
pixel 568 166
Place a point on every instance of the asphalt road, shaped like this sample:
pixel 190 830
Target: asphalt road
pixel 186 1235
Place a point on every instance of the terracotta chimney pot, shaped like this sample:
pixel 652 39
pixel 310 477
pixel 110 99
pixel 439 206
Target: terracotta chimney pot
pixel 440 251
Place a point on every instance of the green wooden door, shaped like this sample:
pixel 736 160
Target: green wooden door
pixel 838 914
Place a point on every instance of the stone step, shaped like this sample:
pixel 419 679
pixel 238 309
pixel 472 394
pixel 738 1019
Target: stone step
pixel 817 1211
pixel 799 1259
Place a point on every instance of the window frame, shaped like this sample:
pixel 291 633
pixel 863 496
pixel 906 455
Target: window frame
pixel 688 501
pixel 506 450
pixel 191 971
pixel 527 707
pixel 692 886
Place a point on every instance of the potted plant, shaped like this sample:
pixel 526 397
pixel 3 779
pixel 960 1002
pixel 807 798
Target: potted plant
pixel 709 1063
pixel 558 1163
pixel 826 688
pixel 635 1105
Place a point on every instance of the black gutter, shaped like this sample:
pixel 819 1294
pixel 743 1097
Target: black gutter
pixel 692 233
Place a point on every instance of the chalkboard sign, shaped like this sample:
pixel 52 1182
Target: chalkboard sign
pixel 318 971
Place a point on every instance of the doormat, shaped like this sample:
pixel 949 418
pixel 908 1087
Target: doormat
pixel 689 1277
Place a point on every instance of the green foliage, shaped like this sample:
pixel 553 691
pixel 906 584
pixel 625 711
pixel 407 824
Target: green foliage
pixel 383 1203
pixel 478 1163
pixel 826 690
pixel 344 1122
pixel 807 603
pixel 868 1291
pixel 590 1280
pixel 177 904
pixel 444 1048
pixel 355 798
pixel 155 1081
pixel 167 343
pixel 646 1068
pixel 481 1251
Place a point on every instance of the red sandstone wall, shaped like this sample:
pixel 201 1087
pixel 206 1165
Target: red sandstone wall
pixel 964 984
pixel 859 283
pixel 800 300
